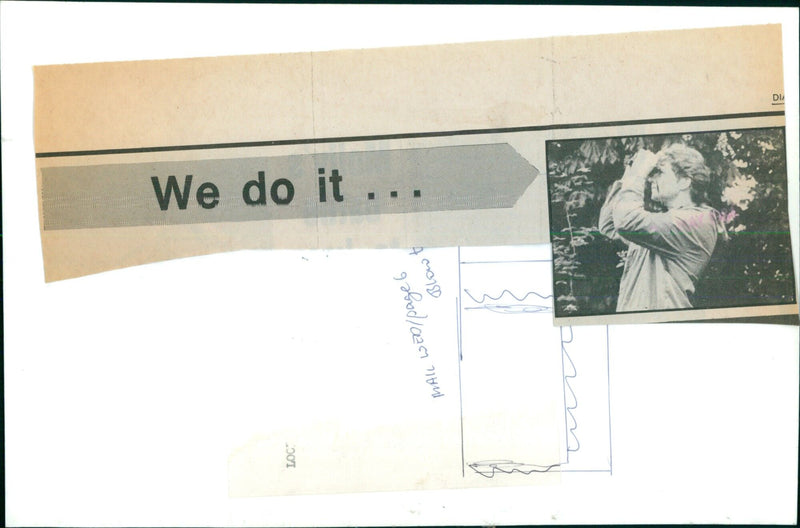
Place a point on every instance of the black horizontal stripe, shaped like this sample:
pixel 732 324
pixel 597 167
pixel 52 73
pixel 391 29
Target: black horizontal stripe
pixel 344 139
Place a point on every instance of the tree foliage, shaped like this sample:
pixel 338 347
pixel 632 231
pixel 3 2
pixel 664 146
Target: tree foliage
pixel 748 188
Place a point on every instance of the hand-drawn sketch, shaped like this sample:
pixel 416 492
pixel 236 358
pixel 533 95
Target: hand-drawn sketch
pixel 506 311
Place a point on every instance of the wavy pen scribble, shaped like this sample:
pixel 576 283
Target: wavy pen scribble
pixel 489 468
pixel 570 400
pixel 485 296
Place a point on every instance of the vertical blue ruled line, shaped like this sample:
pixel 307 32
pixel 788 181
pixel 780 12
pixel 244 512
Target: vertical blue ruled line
pixel 460 357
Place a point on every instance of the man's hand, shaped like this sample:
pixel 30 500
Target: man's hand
pixel 642 165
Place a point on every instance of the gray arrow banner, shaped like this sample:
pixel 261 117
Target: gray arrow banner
pixel 300 186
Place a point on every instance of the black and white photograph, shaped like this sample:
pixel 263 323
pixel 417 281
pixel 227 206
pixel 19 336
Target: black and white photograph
pixel 669 222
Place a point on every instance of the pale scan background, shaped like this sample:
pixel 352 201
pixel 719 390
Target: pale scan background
pixel 704 417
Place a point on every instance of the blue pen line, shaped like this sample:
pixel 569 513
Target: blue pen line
pixel 460 358
pixel 568 387
pixel 564 393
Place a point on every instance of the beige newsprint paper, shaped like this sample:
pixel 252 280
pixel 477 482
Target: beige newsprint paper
pixel 424 146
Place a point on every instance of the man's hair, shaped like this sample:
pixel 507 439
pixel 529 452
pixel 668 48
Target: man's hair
pixel 689 163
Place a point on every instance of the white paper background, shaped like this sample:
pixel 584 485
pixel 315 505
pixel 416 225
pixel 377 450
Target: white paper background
pixel 704 417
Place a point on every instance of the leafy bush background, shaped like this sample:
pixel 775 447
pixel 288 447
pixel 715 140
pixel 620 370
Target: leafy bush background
pixel 749 189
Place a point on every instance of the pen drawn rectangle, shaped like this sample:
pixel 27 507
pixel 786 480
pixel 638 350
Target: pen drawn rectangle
pixel 506 320
pixel 513 353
